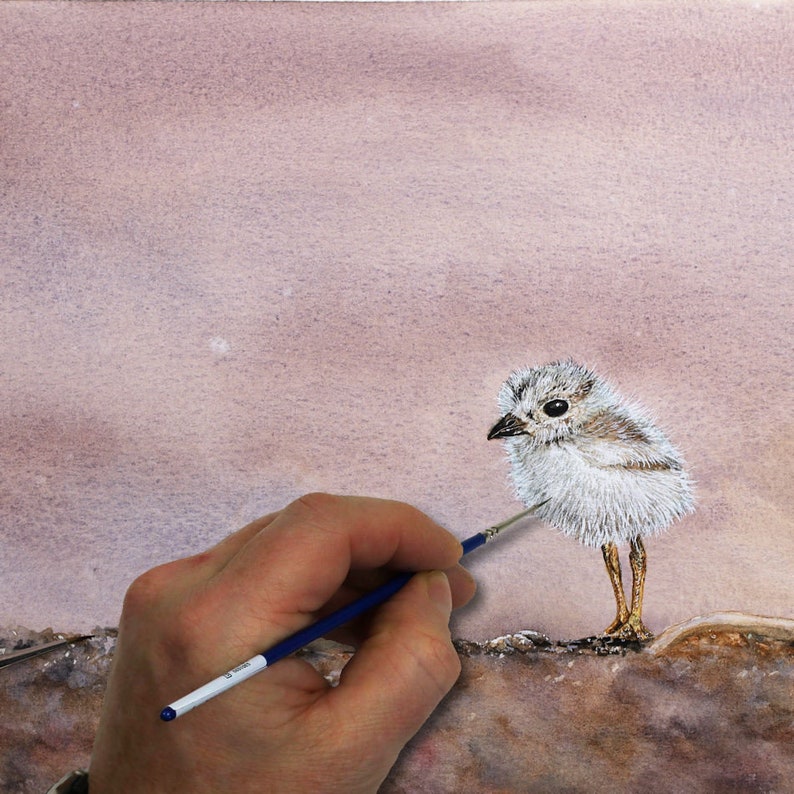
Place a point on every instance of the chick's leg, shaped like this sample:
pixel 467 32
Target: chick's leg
pixel 634 626
pixel 612 561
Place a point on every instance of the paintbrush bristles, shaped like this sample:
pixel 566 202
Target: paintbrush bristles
pixel 493 531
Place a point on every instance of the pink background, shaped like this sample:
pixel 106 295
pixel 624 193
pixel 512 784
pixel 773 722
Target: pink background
pixel 252 250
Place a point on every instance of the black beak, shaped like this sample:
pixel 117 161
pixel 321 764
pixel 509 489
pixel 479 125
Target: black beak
pixel 508 425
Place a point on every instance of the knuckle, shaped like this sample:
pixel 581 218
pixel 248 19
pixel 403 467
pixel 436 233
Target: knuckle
pixel 315 508
pixel 145 592
pixel 152 606
pixel 318 502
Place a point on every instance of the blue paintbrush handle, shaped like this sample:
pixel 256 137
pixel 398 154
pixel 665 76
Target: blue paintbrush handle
pixel 345 614
pixel 351 611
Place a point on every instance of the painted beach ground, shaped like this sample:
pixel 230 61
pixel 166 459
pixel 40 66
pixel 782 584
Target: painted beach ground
pixel 708 707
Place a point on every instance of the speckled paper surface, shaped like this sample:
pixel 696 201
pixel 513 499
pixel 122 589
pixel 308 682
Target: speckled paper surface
pixel 251 250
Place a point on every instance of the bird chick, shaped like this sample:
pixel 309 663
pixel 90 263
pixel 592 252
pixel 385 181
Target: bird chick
pixel 605 473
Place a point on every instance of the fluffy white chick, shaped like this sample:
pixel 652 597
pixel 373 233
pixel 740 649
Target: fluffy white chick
pixel 605 473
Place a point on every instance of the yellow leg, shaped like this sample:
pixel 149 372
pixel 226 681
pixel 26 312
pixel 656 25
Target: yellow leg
pixel 628 624
pixel 612 561
pixel 638 561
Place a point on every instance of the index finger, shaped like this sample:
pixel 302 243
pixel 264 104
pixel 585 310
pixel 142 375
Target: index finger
pixel 290 569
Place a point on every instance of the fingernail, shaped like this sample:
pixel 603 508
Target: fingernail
pixel 438 590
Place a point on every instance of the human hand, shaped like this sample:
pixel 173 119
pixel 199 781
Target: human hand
pixel 285 729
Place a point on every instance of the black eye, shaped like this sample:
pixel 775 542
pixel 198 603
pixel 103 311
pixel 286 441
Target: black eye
pixel 555 408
